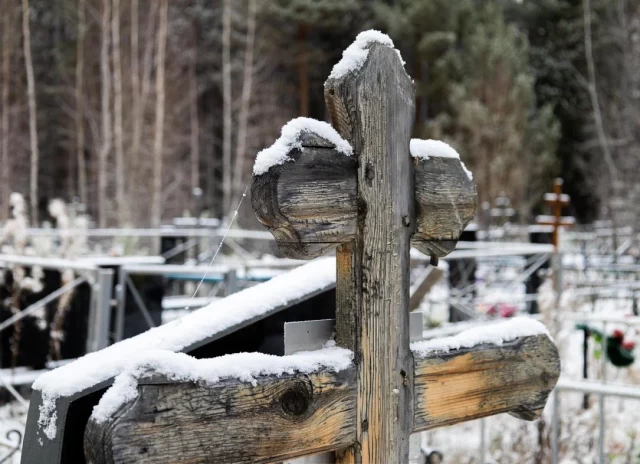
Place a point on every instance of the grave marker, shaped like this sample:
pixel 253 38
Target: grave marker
pixel 359 191
pixel 557 201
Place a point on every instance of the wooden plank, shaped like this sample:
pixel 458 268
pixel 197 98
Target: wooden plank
pixel 564 203
pixel 294 415
pixel 485 380
pixel 346 328
pixel 310 202
pixel 445 200
pixel 379 101
pixel 232 422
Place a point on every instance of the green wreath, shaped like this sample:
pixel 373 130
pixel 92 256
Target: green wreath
pixel 620 352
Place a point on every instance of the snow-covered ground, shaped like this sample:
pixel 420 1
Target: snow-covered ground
pixel 507 439
pixel 13 417
pixel 510 440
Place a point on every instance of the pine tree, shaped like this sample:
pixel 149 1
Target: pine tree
pixel 475 88
pixel 302 20
pixel 555 32
pixel 430 35
pixel 496 116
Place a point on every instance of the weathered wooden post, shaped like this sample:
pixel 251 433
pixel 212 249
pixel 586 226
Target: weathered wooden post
pixel 371 215
pixel 373 108
pixel 361 189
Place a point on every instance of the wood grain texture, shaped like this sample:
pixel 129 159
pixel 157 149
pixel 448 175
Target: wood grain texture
pixel 310 202
pixel 467 384
pixel 294 415
pixel 445 200
pixel 375 114
pixel 346 321
pixel 231 422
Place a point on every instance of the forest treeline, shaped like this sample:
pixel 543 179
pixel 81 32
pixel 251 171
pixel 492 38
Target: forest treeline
pixel 126 106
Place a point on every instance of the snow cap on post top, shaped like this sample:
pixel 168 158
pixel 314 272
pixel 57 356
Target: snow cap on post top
pixel 355 55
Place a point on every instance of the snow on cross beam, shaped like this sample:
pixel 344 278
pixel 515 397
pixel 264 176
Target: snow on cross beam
pixel 291 137
pixel 308 399
pixel 553 197
pixel 304 191
pixel 426 149
pixel 52 419
pixel 547 220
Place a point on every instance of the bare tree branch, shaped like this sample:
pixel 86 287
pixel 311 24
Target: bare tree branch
pixel 226 104
pixel 105 85
pixel 193 113
pixel 117 90
pixel 33 124
pixel 79 112
pixel 158 139
pixel 241 145
pixel 6 68
pixel 593 93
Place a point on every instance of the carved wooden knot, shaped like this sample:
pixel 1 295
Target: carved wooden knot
pixel 296 399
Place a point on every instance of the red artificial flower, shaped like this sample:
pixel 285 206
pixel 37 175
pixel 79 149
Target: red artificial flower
pixel 617 334
pixel 508 310
pixel 629 345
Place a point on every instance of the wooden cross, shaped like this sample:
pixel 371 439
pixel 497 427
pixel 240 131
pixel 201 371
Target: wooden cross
pixel 557 201
pixel 369 206
pixel 503 209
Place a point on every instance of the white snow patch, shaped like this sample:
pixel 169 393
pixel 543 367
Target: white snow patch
pixel 426 149
pixel 242 366
pixel 355 55
pixel 48 417
pixel 290 138
pixel 495 334
pixel 255 301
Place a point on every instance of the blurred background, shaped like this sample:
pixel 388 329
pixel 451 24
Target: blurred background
pixel 126 106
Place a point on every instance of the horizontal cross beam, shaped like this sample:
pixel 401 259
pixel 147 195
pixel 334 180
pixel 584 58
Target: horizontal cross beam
pixel 554 198
pixel 293 415
pixel 564 221
pixel 310 203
